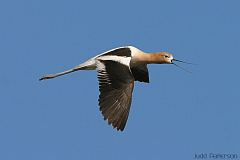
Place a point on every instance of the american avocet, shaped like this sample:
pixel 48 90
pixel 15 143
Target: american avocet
pixel 117 70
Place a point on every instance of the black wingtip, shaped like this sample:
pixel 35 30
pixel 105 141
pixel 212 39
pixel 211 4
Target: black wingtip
pixel 120 129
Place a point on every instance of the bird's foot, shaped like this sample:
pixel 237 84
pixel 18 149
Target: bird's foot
pixel 49 76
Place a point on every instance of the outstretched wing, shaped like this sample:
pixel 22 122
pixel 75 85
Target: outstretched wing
pixel 115 85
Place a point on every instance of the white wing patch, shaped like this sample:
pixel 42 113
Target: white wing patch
pixel 134 50
pixel 123 60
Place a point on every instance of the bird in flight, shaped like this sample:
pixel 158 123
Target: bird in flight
pixel 117 70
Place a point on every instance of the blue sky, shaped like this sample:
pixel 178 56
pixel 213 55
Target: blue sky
pixel 175 116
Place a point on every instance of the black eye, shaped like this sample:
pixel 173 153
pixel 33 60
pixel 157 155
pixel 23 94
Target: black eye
pixel 166 56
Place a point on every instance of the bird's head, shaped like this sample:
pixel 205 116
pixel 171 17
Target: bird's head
pixel 165 57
